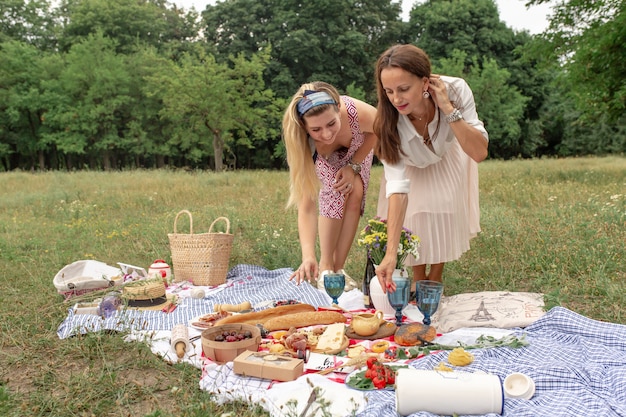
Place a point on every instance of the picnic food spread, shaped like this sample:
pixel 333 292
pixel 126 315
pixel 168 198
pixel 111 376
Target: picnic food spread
pixel 283 340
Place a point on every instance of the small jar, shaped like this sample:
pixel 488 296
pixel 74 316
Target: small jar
pixel 160 268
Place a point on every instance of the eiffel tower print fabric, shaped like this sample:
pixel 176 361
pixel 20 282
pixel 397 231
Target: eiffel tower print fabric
pixel 497 309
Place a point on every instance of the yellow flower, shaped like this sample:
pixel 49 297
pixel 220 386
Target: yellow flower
pixel 374 238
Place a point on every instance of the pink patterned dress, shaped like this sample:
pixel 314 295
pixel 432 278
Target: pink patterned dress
pixel 331 202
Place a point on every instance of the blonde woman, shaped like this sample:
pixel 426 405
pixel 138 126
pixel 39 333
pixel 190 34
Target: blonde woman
pixel 329 140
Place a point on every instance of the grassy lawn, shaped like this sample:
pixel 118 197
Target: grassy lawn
pixel 552 226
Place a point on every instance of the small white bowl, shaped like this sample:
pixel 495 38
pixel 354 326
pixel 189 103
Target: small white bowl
pixel 518 385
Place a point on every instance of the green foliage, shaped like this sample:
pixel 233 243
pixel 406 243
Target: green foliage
pixel 586 43
pixel 213 101
pixel 28 21
pixel 152 24
pixel 327 40
pixel 471 26
pixel 21 66
pixel 78 89
pixel 91 93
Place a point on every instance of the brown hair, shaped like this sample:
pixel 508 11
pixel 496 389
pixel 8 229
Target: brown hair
pixel 414 60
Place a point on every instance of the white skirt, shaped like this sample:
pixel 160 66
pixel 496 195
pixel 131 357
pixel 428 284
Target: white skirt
pixel 443 208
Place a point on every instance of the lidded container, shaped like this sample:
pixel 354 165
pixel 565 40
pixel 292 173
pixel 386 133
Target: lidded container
pixel 161 269
pixel 448 393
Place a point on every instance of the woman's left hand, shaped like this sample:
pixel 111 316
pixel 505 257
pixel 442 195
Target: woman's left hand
pixel 439 93
pixel 344 180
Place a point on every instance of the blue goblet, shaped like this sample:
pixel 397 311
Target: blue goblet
pixel 428 294
pixel 334 285
pixel 400 297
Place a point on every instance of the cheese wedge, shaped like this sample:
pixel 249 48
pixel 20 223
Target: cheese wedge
pixel 332 338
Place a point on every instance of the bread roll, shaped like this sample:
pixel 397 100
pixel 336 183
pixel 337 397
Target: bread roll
pixel 413 334
pixel 260 317
pixel 312 318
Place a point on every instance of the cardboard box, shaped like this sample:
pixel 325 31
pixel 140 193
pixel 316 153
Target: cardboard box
pixel 86 308
pixel 268 366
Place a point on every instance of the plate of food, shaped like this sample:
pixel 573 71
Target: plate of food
pixel 207 321
pixel 376 376
pixel 328 340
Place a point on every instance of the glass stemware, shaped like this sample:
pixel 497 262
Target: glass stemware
pixel 334 285
pixel 428 295
pixel 400 297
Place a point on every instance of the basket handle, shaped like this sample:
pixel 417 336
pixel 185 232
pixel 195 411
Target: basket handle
pixel 221 218
pixel 190 221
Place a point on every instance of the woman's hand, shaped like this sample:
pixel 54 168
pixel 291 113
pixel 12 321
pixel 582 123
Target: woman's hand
pixel 384 272
pixel 439 93
pixel 344 180
pixel 307 271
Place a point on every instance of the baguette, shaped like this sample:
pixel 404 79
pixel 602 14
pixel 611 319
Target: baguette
pixel 260 317
pixel 303 320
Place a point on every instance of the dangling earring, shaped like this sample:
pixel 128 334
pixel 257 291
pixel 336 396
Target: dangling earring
pixel 426 94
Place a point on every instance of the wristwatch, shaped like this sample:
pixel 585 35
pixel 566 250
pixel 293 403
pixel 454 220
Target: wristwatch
pixel 355 167
pixel 455 116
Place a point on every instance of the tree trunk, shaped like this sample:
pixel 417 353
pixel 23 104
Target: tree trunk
pixel 106 160
pixel 42 160
pixel 218 151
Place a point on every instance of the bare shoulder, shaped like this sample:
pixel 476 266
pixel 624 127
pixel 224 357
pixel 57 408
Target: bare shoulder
pixel 367 114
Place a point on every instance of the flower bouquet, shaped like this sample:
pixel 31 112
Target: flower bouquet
pixel 374 238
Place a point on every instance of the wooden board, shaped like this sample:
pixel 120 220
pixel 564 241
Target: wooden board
pixel 384 331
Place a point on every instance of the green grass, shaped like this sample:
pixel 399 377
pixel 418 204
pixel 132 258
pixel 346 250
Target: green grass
pixel 551 226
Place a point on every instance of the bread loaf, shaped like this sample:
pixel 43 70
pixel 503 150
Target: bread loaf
pixel 260 317
pixel 413 334
pixel 305 319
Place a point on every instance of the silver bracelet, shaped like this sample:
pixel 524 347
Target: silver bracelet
pixel 455 116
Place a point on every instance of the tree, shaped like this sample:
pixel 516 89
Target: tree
pixel 28 21
pixel 87 101
pixel 586 41
pixel 202 97
pixel 332 40
pixel 23 69
pixel 131 23
pixel 472 26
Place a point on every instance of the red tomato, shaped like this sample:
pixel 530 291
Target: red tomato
pixel 379 382
pixel 371 361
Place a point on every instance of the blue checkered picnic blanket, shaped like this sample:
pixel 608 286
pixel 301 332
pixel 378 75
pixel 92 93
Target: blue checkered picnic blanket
pixel 578 365
pixel 243 283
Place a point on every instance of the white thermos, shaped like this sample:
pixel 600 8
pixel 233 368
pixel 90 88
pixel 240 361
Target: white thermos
pixel 448 393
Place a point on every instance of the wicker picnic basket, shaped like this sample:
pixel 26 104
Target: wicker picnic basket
pixel 200 258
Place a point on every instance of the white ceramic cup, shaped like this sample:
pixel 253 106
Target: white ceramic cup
pixel 447 393
pixel 518 385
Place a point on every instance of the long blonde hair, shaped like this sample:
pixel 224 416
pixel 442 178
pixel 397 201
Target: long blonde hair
pixel 304 182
